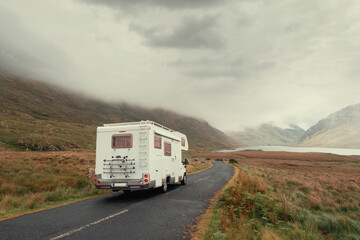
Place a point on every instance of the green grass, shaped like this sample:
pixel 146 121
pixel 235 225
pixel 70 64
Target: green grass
pixel 44 135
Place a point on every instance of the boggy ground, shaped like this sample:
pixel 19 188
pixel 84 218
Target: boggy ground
pixel 38 180
pixel 284 195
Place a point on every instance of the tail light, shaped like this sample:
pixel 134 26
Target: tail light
pixel 146 177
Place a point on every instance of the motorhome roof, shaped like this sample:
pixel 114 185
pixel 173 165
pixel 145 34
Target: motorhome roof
pixel 138 123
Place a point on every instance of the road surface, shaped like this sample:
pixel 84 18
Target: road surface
pixel 137 215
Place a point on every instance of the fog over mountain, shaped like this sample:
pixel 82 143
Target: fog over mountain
pixel 268 135
pixel 340 129
pixel 235 64
pixel 41 117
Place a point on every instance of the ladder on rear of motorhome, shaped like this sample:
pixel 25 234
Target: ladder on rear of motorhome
pixel 143 148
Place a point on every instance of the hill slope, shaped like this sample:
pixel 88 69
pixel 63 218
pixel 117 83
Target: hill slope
pixel 38 116
pixel 268 135
pixel 340 129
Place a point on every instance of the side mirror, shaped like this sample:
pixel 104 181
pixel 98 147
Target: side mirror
pixel 186 162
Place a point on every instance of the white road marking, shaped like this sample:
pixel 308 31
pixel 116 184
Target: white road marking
pixel 202 179
pixel 88 225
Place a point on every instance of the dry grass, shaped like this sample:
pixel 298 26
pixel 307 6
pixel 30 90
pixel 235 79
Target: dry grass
pixel 319 192
pixel 33 180
pixel 327 180
pixel 197 166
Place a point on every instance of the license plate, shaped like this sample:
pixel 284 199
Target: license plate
pixel 119 184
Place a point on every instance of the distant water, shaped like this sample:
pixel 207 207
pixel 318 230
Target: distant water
pixel 339 151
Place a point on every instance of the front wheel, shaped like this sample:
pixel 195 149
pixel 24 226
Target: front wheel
pixel 184 180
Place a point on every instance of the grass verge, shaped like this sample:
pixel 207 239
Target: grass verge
pixel 255 207
pixel 196 166
pixel 198 230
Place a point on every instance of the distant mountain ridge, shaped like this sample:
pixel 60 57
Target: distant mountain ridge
pixel 268 135
pixel 340 129
pixel 39 116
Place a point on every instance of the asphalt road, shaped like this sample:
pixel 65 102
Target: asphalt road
pixel 137 215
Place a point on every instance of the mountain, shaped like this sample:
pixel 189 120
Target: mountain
pixel 39 116
pixel 340 129
pixel 268 135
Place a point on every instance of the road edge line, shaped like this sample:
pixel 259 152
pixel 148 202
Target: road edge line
pixel 204 169
pixel 54 206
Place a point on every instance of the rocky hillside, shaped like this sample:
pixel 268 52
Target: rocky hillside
pixel 340 129
pixel 268 135
pixel 38 116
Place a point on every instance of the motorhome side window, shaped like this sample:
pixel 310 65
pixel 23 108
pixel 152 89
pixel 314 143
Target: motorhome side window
pixel 157 141
pixel 183 142
pixel 167 149
pixel 122 141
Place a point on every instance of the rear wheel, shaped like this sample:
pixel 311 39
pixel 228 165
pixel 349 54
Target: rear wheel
pixel 184 180
pixel 164 187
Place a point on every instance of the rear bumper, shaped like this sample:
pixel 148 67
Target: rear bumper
pixel 131 184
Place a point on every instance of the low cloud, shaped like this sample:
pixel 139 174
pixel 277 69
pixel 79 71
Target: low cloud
pixel 167 4
pixel 192 33
pixel 26 53
pixel 238 68
pixel 234 63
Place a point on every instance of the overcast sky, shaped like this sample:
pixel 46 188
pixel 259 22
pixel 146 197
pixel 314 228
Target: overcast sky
pixel 233 63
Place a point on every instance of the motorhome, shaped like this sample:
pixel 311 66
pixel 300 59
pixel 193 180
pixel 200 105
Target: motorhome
pixel 139 155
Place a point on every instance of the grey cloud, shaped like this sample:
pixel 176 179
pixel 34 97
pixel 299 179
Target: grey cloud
pixel 209 87
pixel 210 67
pixel 168 4
pixel 23 52
pixel 193 33
pixel 293 27
pixel 13 56
pixel 251 61
pixel 13 59
pixel 244 21
pixel 239 67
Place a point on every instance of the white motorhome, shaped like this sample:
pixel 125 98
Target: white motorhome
pixel 139 155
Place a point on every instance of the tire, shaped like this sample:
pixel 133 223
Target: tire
pixel 184 180
pixel 164 188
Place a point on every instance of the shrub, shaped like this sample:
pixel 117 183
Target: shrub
pixel 232 161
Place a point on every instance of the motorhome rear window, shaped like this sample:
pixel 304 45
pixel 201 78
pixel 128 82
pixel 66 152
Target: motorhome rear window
pixel 167 149
pixel 157 141
pixel 122 141
pixel 183 142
